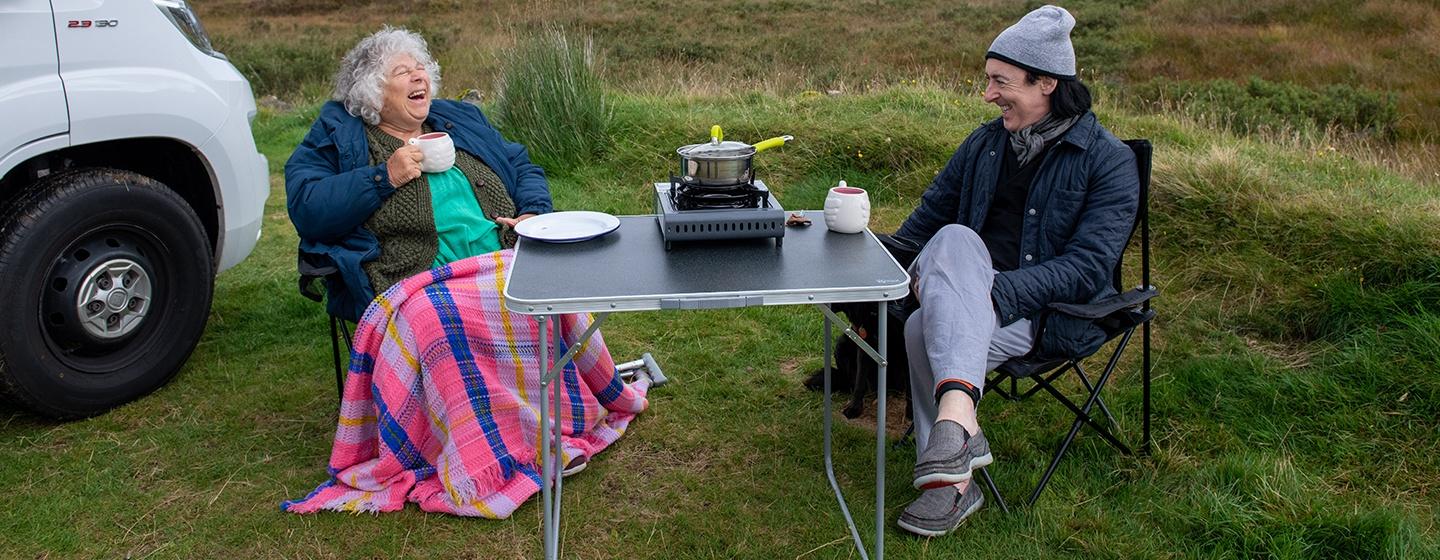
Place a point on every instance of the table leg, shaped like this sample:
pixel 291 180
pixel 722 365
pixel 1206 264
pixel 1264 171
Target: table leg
pixel 550 441
pixel 557 373
pixel 829 460
pixel 880 436
pixel 879 552
pixel 547 463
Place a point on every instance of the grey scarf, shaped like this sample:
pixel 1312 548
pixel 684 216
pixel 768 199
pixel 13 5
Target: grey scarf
pixel 1030 141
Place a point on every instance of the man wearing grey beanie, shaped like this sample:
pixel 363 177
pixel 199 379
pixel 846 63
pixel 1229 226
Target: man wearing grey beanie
pixel 1034 208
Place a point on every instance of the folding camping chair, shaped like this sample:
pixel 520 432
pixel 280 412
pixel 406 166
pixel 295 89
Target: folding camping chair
pixel 1117 316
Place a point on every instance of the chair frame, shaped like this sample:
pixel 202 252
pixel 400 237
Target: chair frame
pixel 309 273
pixel 339 326
pixel 1043 373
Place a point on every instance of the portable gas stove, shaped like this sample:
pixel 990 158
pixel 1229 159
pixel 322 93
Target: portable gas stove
pixel 693 212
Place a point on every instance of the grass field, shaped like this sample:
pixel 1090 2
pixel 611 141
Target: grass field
pixel 1297 354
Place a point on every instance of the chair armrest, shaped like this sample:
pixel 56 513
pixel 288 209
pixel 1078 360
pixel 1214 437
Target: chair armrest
pixel 1105 307
pixel 904 249
pixel 313 267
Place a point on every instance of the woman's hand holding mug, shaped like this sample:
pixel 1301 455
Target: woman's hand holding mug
pixel 404 165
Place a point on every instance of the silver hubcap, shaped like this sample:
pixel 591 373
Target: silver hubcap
pixel 114 298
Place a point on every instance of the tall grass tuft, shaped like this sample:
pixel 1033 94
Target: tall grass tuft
pixel 551 99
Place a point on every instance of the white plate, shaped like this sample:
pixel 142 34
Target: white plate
pixel 567 227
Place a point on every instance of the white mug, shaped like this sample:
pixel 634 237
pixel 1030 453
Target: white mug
pixel 847 209
pixel 439 151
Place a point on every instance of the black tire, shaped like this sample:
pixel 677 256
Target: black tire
pixel 141 256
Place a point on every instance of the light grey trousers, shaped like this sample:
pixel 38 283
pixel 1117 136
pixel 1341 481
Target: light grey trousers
pixel 956 333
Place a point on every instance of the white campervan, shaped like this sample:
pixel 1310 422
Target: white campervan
pixel 128 179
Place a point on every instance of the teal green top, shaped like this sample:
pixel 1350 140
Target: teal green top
pixel 460 226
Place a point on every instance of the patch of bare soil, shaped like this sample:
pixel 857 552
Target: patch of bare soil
pixel 896 418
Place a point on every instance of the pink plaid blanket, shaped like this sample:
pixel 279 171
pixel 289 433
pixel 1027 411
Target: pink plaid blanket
pixel 441 404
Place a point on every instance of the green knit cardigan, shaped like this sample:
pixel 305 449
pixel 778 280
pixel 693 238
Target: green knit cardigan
pixel 405 222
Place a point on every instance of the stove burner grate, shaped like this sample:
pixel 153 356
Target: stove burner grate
pixel 690 196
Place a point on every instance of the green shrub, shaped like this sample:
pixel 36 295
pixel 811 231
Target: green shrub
pixel 285 68
pixel 552 100
pixel 1263 106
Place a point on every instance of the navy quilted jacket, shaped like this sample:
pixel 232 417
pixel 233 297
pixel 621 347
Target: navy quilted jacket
pixel 1078 218
pixel 331 189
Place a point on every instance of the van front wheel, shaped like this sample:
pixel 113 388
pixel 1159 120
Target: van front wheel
pixel 110 277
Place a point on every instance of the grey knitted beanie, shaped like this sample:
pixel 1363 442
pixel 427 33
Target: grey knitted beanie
pixel 1039 42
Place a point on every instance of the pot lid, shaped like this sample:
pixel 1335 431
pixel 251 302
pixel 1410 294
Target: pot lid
pixel 717 147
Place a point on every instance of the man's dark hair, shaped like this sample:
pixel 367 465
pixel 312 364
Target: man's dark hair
pixel 1070 98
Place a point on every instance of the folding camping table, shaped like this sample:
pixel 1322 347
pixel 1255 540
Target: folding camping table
pixel 630 269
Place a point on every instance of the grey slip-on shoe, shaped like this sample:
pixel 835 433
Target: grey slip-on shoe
pixel 950 456
pixel 939 511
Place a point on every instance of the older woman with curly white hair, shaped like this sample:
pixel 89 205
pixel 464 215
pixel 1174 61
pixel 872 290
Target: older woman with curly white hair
pixel 439 407
pixel 354 185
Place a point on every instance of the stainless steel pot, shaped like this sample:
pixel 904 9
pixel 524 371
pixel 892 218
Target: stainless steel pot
pixel 720 162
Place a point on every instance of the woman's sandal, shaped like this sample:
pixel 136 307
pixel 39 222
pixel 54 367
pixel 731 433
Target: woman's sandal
pixel 576 465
